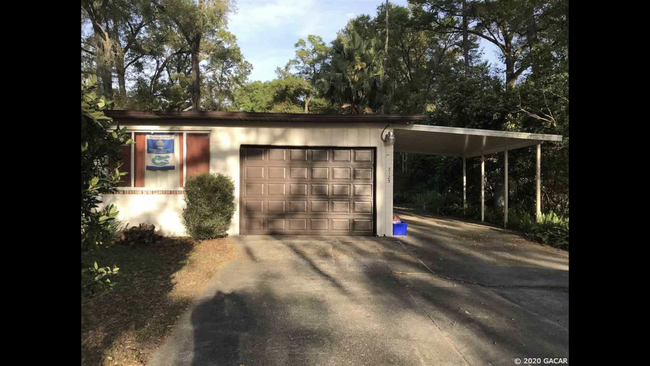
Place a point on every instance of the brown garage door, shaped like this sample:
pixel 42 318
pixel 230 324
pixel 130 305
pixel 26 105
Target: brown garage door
pixel 309 191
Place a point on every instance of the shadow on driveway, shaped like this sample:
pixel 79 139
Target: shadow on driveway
pixel 448 293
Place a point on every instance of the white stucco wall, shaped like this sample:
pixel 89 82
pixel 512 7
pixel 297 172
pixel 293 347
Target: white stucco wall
pixel 225 142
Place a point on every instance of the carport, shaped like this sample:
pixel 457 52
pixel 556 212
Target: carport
pixel 467 143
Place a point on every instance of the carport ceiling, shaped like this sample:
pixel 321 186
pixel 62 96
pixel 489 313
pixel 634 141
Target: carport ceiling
pixel 467 142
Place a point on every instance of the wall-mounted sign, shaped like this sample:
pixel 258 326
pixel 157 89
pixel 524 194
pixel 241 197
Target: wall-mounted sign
pixel 160 152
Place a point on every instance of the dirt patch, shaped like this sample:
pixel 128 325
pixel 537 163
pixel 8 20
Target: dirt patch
pixel 155 286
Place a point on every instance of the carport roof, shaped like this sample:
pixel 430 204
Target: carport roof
pixel 466 142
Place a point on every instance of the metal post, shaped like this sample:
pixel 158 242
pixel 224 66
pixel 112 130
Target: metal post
pixel 464 184
pixel 482 188
pixel 538 178
pixel 505 189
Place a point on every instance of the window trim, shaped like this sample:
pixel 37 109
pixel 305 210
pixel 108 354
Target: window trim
pixel 184 157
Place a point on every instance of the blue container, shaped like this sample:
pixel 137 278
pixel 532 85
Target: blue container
pixel 399 228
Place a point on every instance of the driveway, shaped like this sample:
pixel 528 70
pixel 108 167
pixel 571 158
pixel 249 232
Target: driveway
pixel 449 293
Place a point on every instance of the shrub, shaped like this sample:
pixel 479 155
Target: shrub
pixel 209 200
pixel 99 145
pixel 552 229
pixel 95 279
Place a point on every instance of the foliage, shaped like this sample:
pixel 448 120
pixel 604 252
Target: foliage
pixel 99 145
pixel 351 79
pixel 552 229
pixel 95 279
pixel 209 200
pixel 159 46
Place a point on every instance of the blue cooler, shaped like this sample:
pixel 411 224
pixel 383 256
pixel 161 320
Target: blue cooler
pixel 399 228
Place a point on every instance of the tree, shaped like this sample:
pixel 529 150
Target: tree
pixel 285 94
pixel 225 70
pixel 309 62
pixel 197 23
pixel 99 146
pixel 352 77
pixel 514 27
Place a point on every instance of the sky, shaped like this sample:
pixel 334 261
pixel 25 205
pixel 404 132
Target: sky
pixel 267 30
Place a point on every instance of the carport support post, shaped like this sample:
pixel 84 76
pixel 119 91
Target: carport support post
pixel 464 184
pixel 482 188
pixel 538 178
pixel 505 188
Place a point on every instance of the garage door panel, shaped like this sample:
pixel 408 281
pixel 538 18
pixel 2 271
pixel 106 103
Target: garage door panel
pixel 319 224
pixel 341 173
pixel 298 155
pixel 363 190
pixel 254 154
pixel 297 206
pixel 342 155
pixel 340 190
pixel 277 154
pixel 254 189
pixel 320 155
pixel 320 173
pixel 277 172
pixel 341 206
pixel 298 173
pixel 319 189
pixel 298 224
pixel 307 191
pixel 319 206
pixel 298 189
pixel 277 206
pixel 277 189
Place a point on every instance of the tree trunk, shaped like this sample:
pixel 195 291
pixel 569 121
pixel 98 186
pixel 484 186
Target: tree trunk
pixel 307 99
pixel 465 39
pixel 196 73
pixel 121 76
pixel 531 33
pixel 383 81
pixel 511 78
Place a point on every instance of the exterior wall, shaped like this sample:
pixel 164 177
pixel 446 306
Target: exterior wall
pixel 159 207
pixel 225 142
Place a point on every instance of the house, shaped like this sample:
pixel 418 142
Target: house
pixel 293 173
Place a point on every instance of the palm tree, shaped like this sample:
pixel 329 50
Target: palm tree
pixel 352 77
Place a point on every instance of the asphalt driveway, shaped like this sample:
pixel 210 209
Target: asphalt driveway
pixel 450 293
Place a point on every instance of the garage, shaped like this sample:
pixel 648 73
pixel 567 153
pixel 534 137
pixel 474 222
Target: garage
pixel 297 190
pixel 296 174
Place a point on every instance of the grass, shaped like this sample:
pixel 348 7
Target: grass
pixel 154 287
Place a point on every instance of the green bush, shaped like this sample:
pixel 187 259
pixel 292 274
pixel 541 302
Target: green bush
pixel 95 279
pixel 552 229
pixel 210 205
pixel 99 145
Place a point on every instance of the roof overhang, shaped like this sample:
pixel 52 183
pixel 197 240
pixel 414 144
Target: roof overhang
pixel 409 137
pixel 131 117
pixel 465 142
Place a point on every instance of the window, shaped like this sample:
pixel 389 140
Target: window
pixel 158 159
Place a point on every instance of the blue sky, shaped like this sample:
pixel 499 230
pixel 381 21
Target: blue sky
pixel 267 30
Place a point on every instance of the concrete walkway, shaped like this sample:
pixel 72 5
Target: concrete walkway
pixel 450 293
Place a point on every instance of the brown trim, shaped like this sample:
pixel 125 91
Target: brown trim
pixel 149 191
pixel 197 154
pixel 130 117
pixel 181 160
pixel 139 163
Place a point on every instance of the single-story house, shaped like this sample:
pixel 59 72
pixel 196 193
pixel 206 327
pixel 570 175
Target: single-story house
pixel 294 173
